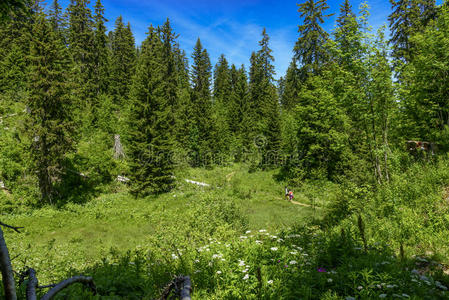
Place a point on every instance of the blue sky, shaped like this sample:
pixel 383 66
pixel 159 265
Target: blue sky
pixel 231 27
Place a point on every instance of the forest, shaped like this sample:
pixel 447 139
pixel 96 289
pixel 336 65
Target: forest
pixel 142 173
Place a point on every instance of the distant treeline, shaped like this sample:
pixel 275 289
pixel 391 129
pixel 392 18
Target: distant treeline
pixel 345 108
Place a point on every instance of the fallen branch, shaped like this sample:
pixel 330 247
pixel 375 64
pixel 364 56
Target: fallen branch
pixel 87 281
pixel 181 285
pixel 15 228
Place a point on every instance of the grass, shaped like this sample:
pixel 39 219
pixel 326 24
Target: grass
pixel 133 246
pixel 122 222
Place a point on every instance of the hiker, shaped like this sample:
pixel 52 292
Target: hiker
pixel 286 193
pixel 290 195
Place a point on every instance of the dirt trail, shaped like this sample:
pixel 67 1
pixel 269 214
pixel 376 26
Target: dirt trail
pixel 302 204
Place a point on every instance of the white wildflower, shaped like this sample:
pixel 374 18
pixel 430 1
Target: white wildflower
pixel 241 263
pixel 245 277
pixel 258 242
pixel 218 272
pixel 270 281
pixel 262 230
pixel 197 260
pixel 383 296
pixel 249 231
pixel 274 249
pixel 174 256
pixel 293 262
pixel 243 237
pixel 329 280
pixel 293 253
pixel 360 287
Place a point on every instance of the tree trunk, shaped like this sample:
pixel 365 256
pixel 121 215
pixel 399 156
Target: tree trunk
pixel 6 270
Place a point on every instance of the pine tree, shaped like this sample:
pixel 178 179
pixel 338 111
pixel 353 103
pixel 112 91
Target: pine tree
pixel 222 84
pixel 348 36
pixel 408 17
pixel 309 49
pixel 292 86
pixel 48 123
pixel 122 61
pixel 264 102
pixel 101 58
pixel 200 136
pixel 14 48
pixel 55 16
pixel 170 71
pixel 150 121
pixel 322 138
pixel 184 109
pixel 424 86
pixel 81 45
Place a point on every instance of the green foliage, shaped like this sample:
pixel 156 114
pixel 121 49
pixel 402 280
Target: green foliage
pixel 123 61
pixel 48 125
pixel 408 18
pixel 323 148
pixel 309 49
pixel 200 136
pixel 426 108
pixel 150 118
pixel 133 251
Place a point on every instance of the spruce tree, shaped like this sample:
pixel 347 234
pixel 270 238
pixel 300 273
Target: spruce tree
pixel 348 37
pixel 48 122
pixel 292 86
pixel 81 46
pixel 184 110
pixel 170 71
pixel 122 61
pixel 424 87
pixel 200 136
pixel 222 84
pixel 408 18
pixel 323 137
pixel 101 53
pixel 264 102
pixel 14 48
pixel 240 121
pixel 150 143
pixel 55 16
pixel 310 49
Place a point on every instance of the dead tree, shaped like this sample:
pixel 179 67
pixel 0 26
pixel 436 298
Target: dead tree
pixel 118 148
